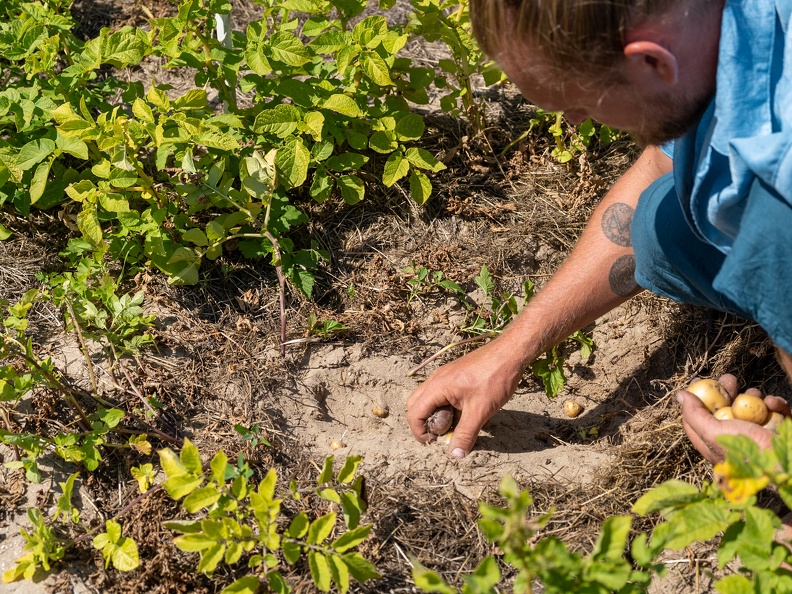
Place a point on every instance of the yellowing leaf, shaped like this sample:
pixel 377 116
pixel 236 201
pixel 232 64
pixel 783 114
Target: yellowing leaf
pixel 171 463
pixel 266 487
pixel 738 489
pixel 191 457
pixel 420 187
pixel 158 98
pixel 281 120
pixel 88 223
pixel 211 558
pixel 39 182
pixel 423 159
pixel 201 498
pixel 320 570
pixel 343 104
pixel 340 573
pixel 193 542
pixel 246 585
pixel 351 539
pixel 182 485
pixel 292 162
pixel 218 466
pixel 376 69
pixel 125 555
pixel 287 48
pixel 142 111
pixel 321 528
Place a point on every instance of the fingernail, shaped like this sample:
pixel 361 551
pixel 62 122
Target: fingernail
pixel 458 453
pixel 680 397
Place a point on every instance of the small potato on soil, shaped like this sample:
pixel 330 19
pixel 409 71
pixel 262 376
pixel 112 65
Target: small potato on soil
pixel 711 393
pixel 440 421
pixel 380 410
pixel 747 407
pixel 337 444
pixel 572 409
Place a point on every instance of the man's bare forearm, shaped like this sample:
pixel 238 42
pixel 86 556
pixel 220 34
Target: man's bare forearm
pixel 599 273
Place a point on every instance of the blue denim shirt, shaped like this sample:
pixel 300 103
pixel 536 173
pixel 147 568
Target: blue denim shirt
pixel 747 131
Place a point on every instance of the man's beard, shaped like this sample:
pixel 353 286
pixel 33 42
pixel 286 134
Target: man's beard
pixel 673 117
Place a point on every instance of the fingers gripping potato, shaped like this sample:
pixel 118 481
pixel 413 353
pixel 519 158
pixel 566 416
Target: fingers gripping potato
pixel 440 422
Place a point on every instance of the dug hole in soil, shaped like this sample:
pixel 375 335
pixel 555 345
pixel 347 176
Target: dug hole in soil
pixel 217 364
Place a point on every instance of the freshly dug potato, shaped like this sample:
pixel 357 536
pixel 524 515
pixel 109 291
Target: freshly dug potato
pixel 773 421
pixel 337 444
pixel 380 410
pixel 747 407
pixel 711 393
pixel 572 409
pixel 440 421
pixel 724 414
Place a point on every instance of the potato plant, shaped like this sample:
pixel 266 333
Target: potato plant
pixel 626 562
pixel 234 523
pixel 169 181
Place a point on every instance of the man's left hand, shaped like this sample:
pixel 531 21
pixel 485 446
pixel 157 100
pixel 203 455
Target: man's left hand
pixel 702 428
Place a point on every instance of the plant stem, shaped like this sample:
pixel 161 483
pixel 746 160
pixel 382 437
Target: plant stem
pixel 281 290
pixel 83 347
pixel 120 514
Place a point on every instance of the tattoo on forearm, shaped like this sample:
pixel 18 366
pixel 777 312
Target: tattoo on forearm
pixel 622 275
pixel 616 221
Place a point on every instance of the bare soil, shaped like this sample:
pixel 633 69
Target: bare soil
pixel 217 364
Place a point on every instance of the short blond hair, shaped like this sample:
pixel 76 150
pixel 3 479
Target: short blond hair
pixel 573 35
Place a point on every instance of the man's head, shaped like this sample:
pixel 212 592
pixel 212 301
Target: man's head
pixel 644 66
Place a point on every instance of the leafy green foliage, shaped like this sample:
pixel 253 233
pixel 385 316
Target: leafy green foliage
pixel 500 308
pixel 448 22
pixel 167 181
pixel 239 520
pixel 570 141
pixel 421 280
pixel 119 550
pixel 324 328
pixel 545 558
pixel 22 371
pixel 626 563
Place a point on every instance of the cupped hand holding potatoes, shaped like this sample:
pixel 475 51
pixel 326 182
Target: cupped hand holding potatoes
pixel 705 417
pixel 477 385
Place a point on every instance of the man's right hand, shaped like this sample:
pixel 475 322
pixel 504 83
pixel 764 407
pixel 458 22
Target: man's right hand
pixel 481 382
pixel 477 385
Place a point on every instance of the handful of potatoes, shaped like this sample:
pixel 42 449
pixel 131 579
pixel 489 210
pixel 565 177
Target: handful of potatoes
pixel 745 407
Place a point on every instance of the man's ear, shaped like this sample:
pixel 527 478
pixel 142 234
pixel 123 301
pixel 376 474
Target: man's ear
pixel 647 58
